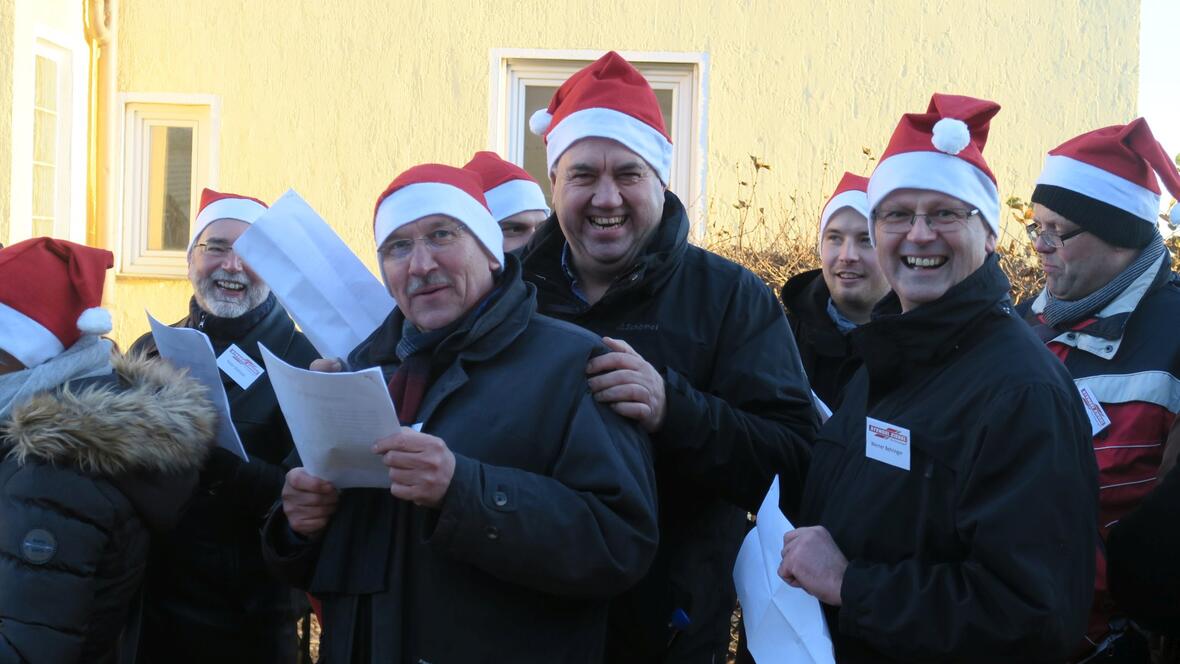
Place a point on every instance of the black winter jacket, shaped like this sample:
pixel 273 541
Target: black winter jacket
pixel 550 512
pixel 738 410
pixel 208 591
pixel 826 352
pixel 87 475
pixel 983 550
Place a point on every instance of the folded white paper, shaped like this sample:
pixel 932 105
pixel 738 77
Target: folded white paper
pixel 186 348
pixel 783 624
pixel 821 408
pixel 335 418
pixel 329 293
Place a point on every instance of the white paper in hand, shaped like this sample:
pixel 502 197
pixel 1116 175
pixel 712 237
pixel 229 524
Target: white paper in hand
pixel 335 300
pixel 783 624
pixel 186 348
pixel 334 419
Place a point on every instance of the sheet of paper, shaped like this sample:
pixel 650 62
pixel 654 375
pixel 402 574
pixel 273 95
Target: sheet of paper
pixel 335 418
pixel 329 293
pixel 821 408
pixel 190 349
pixel 783 624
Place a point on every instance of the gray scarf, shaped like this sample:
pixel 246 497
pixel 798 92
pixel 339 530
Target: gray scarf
pixel 1060 312
pixel 89 356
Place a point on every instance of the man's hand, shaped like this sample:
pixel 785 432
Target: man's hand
pixel 420 466
pixel 326 365
pixel 308 502
pixel 813 562
pixel 627 382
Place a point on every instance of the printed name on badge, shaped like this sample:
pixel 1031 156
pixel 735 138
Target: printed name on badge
pixel 239 366
pixel 1098 417
pixel 887 443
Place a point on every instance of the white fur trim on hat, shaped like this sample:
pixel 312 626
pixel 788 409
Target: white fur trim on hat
pixel 636 135
pixel 95 320
pixel 936 171
pixel 1100 184
pixel 857 200
pixel 242 209
pixel 515 196
pixel 951 135
pixel 422 199
pixel 539 121
pixel 25 339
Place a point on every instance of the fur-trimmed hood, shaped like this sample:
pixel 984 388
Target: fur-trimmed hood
pixel 147 417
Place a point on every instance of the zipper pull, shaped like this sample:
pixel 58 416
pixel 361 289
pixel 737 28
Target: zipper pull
pixel 201 323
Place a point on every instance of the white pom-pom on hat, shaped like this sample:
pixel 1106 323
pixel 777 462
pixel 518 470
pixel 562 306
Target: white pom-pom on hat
pixel 539 121
pixel 95 320
pixel 951 135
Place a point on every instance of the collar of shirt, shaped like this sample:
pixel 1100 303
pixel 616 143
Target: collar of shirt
pixel 568 269
pixel 842 323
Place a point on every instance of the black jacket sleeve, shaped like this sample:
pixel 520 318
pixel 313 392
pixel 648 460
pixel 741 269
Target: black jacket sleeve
pixel 1026 508
pixel 1143 559
pixel 755 418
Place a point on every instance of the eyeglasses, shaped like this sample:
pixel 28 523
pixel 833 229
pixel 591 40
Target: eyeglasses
pixel 436 241
pixel 946 220
pixel 1054 240
pixel 216 251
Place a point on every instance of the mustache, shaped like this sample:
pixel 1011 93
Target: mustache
pixel 418 283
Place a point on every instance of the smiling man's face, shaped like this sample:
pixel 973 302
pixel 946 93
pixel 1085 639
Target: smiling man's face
pixel 850 265
pixel 608 202
pixel 222 284
pixel 922 264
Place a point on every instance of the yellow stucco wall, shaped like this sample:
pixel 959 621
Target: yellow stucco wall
pixel 335 98
pixel 7 39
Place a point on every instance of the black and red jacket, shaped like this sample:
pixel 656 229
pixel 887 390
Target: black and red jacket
pixel 1128 355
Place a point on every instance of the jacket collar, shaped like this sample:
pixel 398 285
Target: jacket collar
pixel 1102 334
pixel 805 297
pixel 656 264
pixel 893 342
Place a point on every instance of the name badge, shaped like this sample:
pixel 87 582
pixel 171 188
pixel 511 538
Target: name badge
pixel 1098 417
pixel 239 366
pixel 887 443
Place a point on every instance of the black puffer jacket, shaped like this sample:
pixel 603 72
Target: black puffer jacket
pixel 738 410
pixel 983 550
pixel 550 512
pixel 86 477
pixel 826 352
pixel 208 590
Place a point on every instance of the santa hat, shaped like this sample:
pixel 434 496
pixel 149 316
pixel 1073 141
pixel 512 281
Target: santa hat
pixel 50 295
pixel 850 193
pixel 508 188
pixel 608 98
pixel 437 189
pixel 941 150
pixel 216 206
pixel 1105 182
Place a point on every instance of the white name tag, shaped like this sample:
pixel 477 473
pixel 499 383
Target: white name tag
pixel 887 443
pixel 239 366
pixel 1098 417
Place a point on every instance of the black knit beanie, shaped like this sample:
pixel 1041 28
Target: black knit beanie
pixel 1113 225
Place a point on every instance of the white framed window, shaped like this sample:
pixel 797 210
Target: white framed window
pixel 169 155
pixel 49 137
pixel 524 80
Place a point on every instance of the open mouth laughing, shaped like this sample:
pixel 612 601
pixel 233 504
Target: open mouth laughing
pixel 924 262
pixel 607 222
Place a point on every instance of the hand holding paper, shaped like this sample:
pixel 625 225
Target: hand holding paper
pixel 335 418
pixel 308 501
pixel 813 562
pixel 420 466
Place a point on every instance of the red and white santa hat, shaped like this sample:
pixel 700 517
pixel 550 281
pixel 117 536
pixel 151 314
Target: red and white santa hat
pixel 430 189
pixel 850 193
pixel 216 206
pixel 508 188
pixel 50 295
pixel 1105 181
pixel 608 98
pixel 941 150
